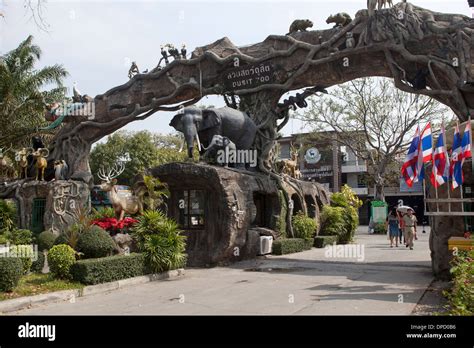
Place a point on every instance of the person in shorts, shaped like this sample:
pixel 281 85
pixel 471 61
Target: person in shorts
pixel 409 221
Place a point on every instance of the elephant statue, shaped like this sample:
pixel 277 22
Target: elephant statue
pixel 220 143
pixel 201 125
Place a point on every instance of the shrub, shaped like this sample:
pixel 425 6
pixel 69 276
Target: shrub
pixel 347 200
pixel 379 228
pixel 164 252
pixel 154 192
pixel 291 245
pixel 95 243
pixel 38 265
pixel 107 212
pixel 60 259
pixel 149 222
pixel 11 270
pixel 347 197
pixel 25 254
pixel 108 269
pixel 3 239
pixel 332 221
pixel 160 240
pixel 46 240
pixel 351 221
pixel 461 296
pixel 322 241
pixel 8 215
pixel 71 235
pixel 20 237
pixel 304 226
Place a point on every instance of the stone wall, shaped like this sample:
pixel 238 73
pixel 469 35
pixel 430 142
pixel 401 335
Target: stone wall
pixel 231 212
pixel 444 227
pixel 63 200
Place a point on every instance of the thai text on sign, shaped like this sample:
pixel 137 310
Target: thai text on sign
pixel 248 76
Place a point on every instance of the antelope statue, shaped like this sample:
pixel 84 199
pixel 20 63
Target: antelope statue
pixel 6 169
pixel 131 204
pixel 21 157
pixel 40 156
pixel 290 166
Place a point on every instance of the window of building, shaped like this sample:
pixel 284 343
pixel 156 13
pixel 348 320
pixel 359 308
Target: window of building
pixel 191 212
pixel 284 150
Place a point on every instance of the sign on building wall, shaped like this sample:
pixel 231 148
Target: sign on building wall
pixel 312 155
pixel 317 165
pixel 417 187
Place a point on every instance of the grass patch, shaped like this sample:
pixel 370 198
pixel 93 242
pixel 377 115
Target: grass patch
pixel 35 284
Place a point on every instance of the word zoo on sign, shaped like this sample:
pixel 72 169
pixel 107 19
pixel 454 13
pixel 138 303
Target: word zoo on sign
pixel 248 76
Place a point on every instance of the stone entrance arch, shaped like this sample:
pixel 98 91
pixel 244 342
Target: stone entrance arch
pixel 425 52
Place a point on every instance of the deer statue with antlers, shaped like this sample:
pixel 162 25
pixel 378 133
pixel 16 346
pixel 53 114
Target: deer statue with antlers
pixel 131 204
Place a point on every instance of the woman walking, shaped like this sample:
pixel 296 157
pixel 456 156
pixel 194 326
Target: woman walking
pixel 393 228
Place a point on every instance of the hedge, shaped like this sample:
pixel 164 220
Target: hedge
pixel 11 270
pixel 95 243
pixel 37 266
pixel 322 241
pixel 291 245
pixel 109 269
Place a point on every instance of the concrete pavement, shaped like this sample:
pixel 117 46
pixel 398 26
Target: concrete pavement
pixel 389 281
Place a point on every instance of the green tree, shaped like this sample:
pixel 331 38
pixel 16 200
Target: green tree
pixel 24 92
pixel 374 120
pixel 141 150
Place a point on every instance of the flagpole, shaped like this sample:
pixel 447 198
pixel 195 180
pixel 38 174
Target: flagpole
pixel 446 151
pixel 434 176
pixel 424 194
pixel 462 164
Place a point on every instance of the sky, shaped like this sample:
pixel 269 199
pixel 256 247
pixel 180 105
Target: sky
pixel 96 40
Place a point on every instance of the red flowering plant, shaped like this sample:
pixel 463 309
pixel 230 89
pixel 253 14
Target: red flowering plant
pixel 114 226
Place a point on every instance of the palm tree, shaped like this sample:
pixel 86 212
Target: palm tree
pixel 24 93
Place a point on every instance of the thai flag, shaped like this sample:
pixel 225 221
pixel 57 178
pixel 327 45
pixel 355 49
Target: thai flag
pixel 425 151
pixel 411 161
pixel 440 172
pixel 455 170
pixel 466 142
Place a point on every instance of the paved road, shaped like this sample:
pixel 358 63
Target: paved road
pixel 388 281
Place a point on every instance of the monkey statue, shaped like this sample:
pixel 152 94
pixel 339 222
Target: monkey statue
pixel 299 25
pixel 340 19
pixel 419 82
pixel 133 70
